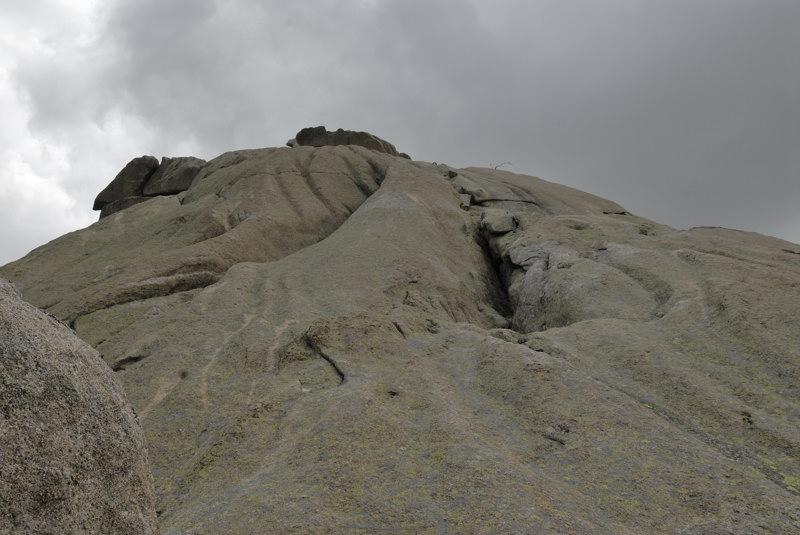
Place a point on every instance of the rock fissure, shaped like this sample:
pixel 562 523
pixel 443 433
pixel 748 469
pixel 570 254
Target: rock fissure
pixel 317 348
pixel 148 289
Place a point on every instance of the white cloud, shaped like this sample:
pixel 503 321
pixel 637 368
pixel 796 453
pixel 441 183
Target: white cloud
pixel 60 142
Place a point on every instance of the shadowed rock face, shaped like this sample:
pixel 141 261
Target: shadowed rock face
pixel 337 340
pixel 72 454
pixel 143 178
pixel 318 136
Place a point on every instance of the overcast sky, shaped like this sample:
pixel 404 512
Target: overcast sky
pixel 686 112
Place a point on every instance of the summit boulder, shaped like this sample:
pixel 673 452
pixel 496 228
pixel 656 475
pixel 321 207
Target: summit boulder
pixel 319 136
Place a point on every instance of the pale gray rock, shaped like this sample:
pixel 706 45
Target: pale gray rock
pixel 72 454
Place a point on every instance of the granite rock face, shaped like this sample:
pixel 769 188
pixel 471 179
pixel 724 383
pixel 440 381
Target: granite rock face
pixel 334 339
pixel 72 454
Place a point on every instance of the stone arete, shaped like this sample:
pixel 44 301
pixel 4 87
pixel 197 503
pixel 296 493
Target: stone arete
pixel 72 453
pixel 318 136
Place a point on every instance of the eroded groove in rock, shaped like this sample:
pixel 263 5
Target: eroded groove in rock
pixel 365 188
pixel 498 273
pixel 334 365
pixel 521 201
pixel 661 291
pixel 147 289
pixel 311 182
pixel 287 193
pixel 123 363
pixel 312 338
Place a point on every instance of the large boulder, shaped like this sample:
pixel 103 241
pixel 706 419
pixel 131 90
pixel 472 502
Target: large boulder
pixel 144 178
pixel 72 454
pixel 173 176
pixel 129 182
pixel 318 136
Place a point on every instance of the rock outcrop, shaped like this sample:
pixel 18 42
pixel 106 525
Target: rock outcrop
pixel 129 182
pixel 143 178
pixel 174 175
pixel 72 454
pixel 319 136
pixel 338 340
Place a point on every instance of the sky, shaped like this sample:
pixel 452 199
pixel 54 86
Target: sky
pixel 686 112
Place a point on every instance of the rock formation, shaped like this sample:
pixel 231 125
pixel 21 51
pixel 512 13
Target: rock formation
pixel 174 175
pixel 143 178
pixel 318 136
pixel 335 339
pixel 72 454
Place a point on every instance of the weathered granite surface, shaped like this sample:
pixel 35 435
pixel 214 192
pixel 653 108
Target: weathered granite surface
pixel 72 454
pixel 338 340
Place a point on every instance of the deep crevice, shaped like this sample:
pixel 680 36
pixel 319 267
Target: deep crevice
pixel 498 273
pixel 523 201
pixel 149 289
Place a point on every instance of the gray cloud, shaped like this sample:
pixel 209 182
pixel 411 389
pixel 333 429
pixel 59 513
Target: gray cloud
pixel 684 112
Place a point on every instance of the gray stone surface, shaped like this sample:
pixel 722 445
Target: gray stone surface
pixel 498 221
pixel 173 176
pixel 318 136
pixel 120 204
pixel 129 182
pixel 319 342
pixel 72 454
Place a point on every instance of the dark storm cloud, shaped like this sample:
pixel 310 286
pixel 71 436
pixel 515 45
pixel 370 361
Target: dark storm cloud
pixel 683 111
pixel 238 72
